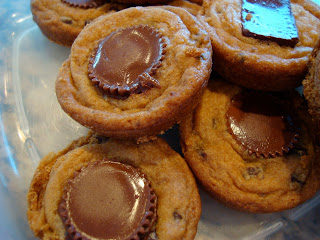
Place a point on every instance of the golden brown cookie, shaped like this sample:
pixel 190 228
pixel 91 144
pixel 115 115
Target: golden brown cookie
pixel 145 83
pixel 62 20
pixel 253 151
pixel 177 205
pixel 255 63
pixel 311 86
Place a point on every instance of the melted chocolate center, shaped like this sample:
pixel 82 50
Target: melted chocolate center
pixel 260 124
pixel 125 60
pixel 108 200
pixel 269 20
pixel 84 3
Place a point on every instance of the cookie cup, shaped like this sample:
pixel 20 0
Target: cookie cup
pixel 260 64
pixel 182 76
pixel 242 180
pixel 178 205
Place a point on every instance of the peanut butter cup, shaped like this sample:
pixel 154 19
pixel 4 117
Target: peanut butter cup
pixel 84 3
pixel 243 147
pixel 126 60
pixel 108 200
pixel 269 20
pixel 99 188
pixel 261 124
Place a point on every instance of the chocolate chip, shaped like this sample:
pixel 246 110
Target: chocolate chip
pixel 241 57
pixel 86 22
pixel 214 123
pixel 253 172
pixel 101 139
pixel 177 216
pixel 298 179
pixel 66 20
pixel 204 155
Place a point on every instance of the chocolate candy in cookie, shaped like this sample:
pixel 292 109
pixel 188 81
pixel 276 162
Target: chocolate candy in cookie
pixel 254 49
pixel 135 73
pixel 269 20
pixel 253 151
pixel 100 188
pixel 125 61
pixel 261 124
pixel 108 200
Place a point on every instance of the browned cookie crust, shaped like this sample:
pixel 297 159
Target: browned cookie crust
pixel 192 7
pixel 259 64
pixel 311 86
pixel 231 174
pixel 178 206
pixel 62 23
pixel 182 76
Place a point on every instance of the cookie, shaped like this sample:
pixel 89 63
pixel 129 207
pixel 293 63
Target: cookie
pixel 135 73
pixel 62 20
pixel 261 63
pixel 156 179
pixel 253 151
pixel 311 86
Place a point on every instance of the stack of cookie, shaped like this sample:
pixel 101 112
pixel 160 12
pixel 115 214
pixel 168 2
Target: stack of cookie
pixel 134 72
pixel 251 142
pixel 130 76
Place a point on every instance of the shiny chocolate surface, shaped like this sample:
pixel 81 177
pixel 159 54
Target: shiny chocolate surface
pixel 108 200
pixel 269 20
pixel 260 124
pixel 125 60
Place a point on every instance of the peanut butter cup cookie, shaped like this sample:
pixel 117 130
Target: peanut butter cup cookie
pixel 253 151
pixel 108 189
pixel 62 20
pixel 311 86
pixel 137 72
pixel 263 45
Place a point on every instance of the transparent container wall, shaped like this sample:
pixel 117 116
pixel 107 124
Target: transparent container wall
pixel 33 124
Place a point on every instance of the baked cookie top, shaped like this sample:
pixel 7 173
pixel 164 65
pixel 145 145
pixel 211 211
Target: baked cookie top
pixel 165 91
pixel 311 86
pixel 253 151
pixel 62 20
pixel 178 202
pixel 266 64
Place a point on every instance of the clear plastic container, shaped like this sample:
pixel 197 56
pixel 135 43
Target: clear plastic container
pixel 33 124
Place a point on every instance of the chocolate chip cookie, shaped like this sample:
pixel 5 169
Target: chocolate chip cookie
pixel 99 188
pixel 62 20
pixel 254 151
pixel 262 59
pixel 135 73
